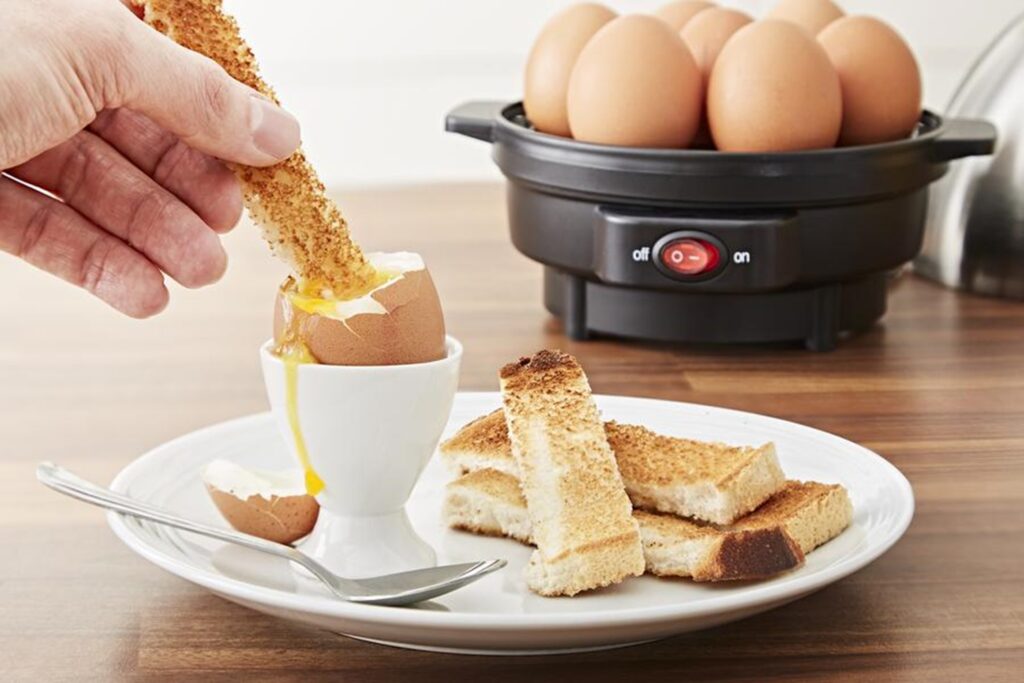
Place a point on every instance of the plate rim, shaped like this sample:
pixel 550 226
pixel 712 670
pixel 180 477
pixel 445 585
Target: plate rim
pixel 323 606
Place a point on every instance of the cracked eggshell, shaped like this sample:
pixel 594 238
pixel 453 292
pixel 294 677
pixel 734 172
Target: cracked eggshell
pixel 271 505
pixel 399 322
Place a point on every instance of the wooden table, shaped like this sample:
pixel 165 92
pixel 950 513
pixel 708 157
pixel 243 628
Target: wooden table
pixel 938 389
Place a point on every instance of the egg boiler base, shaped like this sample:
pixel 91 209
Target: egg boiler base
pixel 701 246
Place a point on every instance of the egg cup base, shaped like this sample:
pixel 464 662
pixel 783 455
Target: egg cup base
pixel 363 546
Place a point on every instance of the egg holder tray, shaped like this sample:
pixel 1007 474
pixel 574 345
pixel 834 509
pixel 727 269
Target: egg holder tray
pixel 802 242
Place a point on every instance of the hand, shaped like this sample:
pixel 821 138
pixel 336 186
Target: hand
pixel 124 127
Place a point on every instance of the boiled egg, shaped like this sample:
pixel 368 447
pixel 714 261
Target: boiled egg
pixel 880 79
pixel 678 14
pixel 269 504
pixel 708 32
pixel 810 15
pixel 551 60
pixel 399 321
pixel 635 84
pixel 773 89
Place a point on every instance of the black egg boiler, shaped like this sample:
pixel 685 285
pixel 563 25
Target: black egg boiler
pixel 705 246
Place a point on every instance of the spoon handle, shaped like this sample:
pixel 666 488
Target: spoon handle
pixel 66 482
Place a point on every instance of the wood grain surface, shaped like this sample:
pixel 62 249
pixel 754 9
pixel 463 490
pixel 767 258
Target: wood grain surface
pixel 938 389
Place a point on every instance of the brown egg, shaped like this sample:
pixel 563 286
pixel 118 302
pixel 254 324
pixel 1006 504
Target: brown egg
pixel 880 79
pixel 270 505
pixel 678 14
pixel 811 15
pixel 773 89
pixel 551 60
pixel 635 84
pixel 707 33
pixel 399 322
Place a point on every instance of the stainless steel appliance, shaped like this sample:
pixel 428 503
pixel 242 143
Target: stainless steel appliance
pixel 974 239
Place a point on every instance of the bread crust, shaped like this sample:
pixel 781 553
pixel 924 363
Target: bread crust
pixel 482 443
pixel 771 540
pixel 581 517
pixel 710 481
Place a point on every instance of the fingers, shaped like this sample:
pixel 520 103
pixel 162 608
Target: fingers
pixel 104 187
pixel 199 180
pixel 194 98
pixel 54 237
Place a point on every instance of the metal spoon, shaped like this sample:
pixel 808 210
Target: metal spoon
pixel 391 589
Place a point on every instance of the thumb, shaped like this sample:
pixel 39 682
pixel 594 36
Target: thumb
pixel 194 98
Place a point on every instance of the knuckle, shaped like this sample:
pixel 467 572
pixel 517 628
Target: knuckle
pixel 149 213
pixel 104 53
pixel 216 93
pixel 71 177
pixel 97 264
pixel 36 229
pixel 168 162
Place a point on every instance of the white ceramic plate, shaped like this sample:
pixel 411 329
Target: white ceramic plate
pixel 498 614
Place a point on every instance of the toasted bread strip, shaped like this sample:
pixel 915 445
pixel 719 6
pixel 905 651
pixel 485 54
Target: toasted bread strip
pixel 581 517
pixel 813 513
pixel 481 444
pixel 489 503
pixel 287 200
pixel 712 482
pixel 770 540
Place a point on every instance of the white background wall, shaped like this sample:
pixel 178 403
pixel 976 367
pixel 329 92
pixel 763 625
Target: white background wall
pixel 371 80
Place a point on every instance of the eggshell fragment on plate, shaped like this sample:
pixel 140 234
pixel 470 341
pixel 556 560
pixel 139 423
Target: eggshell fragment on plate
pixel 810 15
pixel 396 323
pixel 551 60
pixel 270 505
pixel 773 89
pixel 635 84
pixel 678 14
pixel 880 80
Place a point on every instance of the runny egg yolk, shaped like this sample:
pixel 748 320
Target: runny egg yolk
pixel 314 300
pixel 292 358
pixel 293 352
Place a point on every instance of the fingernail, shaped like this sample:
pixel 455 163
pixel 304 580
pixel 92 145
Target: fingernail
pixel 274 131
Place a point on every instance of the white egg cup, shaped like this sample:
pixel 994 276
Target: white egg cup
pixel 369 432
